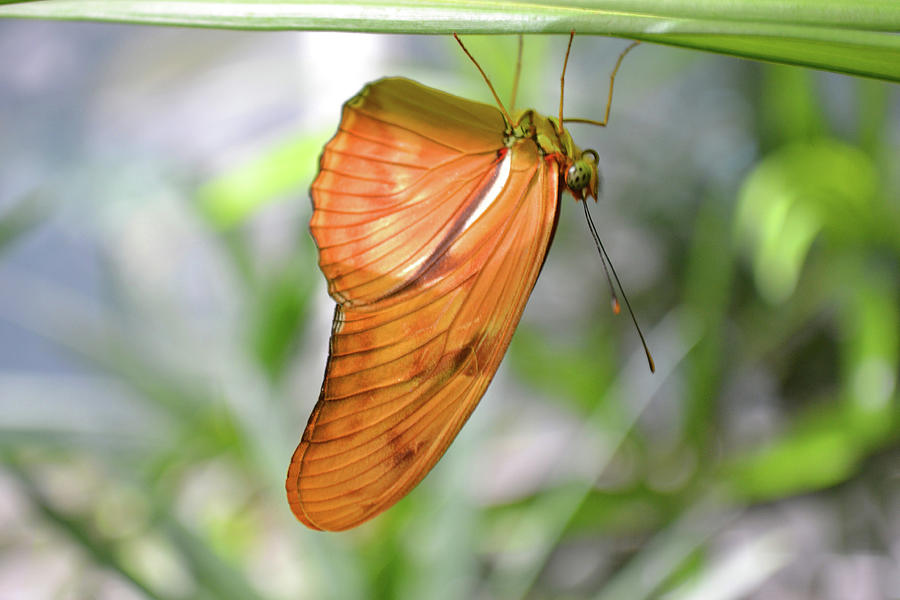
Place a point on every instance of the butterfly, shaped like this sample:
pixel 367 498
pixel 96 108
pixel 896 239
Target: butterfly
pixel 432 215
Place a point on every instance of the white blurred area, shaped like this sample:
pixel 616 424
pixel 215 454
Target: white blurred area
pixel 107 127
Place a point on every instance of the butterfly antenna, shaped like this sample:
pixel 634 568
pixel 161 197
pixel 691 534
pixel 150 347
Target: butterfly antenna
pixel 515 87
pixel 506 116
pixel 562 81
pixel 612 81
pixel 604 258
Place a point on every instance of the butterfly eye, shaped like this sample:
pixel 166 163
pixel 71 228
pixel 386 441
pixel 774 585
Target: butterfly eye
pixel 583 177
pixel 578 175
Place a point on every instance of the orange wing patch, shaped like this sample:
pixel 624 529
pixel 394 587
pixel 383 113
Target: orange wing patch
pixel 431 234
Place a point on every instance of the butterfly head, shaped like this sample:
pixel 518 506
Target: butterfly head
pixel 583 175
pixel 580 168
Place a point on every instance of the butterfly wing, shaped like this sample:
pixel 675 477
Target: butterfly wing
pixel 431 235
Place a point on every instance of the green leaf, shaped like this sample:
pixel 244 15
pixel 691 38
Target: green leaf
pixel 848 36
pixel 794 194
pixel 870 322
pixel 280 312
pixel 807 460
pixel 227 200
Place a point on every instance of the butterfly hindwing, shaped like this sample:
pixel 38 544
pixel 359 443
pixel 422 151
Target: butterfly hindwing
pixel 431 235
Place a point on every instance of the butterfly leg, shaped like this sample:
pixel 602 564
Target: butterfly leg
pixel 612 81
pixel 515 87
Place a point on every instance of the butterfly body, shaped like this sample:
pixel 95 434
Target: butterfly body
pixel 432 215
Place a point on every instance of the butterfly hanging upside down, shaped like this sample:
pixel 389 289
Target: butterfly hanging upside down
pixel 433 215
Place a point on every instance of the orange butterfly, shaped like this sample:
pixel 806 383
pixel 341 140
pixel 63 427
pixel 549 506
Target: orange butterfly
pixel 433 215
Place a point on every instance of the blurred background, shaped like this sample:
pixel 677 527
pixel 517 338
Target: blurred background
pixel 164 328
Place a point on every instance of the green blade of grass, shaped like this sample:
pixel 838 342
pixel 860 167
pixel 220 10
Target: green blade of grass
pixel 847 36
pixel 868 56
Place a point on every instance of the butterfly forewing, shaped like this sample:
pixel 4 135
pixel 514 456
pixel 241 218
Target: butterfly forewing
pixel 431 235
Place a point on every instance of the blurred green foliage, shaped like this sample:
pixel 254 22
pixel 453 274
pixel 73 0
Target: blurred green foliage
pixel 778 293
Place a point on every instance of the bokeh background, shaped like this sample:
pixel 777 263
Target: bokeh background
pixel 164 326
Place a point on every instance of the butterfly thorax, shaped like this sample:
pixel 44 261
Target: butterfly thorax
pixel 581 174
